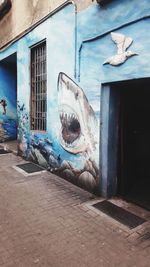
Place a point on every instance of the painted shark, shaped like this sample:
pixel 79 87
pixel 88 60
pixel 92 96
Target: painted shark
pixel 78 121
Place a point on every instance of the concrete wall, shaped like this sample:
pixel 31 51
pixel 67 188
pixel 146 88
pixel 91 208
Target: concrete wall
pixel 24 13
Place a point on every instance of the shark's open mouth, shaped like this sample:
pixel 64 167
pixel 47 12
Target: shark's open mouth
pixel 70 127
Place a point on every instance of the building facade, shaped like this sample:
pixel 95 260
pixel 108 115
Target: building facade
pixel 67 75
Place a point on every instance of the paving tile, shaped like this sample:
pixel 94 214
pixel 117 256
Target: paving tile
pixel 45 222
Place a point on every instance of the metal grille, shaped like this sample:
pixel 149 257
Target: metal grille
pixel 38 87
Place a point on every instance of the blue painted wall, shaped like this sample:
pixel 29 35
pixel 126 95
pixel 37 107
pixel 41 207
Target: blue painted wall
pixel 95 45
pixel 130 18
pixel 66 148
pixel 75 72
pixel 8 93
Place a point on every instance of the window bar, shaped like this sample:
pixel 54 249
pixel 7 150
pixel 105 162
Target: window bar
pixel 34 95
pixel 36 123
pixel 45 84
pixel 38 86
pixel 41 89
pixel 38 89
pixel 37 93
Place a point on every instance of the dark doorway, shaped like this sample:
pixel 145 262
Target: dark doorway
pixel 134 141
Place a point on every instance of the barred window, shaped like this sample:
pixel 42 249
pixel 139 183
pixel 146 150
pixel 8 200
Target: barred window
pixel 38 87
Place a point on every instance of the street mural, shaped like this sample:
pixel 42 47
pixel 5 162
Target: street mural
pixel 70 146
pixel 78 121
pixel 76 135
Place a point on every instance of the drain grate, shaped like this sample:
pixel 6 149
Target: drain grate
pixel 3 152
pixel 30 167
pixel 121 215
pixel 145 237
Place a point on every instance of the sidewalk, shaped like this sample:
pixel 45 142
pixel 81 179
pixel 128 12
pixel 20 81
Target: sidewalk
pixel 46 221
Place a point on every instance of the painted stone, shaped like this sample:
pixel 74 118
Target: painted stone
pixel 69 176
pixel 87 181
pixel 40 159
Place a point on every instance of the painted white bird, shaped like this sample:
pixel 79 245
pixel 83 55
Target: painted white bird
pixel 122 55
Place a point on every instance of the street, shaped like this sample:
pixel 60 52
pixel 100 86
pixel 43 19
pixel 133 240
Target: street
pixel 47 221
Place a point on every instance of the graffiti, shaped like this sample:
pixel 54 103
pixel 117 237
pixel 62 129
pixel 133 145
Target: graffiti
pixel 69 146
pixel 76 136
pixel 23 130
pixel 122 55
pixel 34 147
pixel 4 105
pixel 78 122
pixel 43 153
pixel 3 132
pixel 7 129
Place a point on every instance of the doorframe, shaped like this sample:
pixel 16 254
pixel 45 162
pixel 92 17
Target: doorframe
pixel 108 141
pixel 109 136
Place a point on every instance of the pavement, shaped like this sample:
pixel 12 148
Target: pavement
pixel 48 222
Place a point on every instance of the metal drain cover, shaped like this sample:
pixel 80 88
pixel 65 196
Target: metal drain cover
pixel 121 215
pixel 30 167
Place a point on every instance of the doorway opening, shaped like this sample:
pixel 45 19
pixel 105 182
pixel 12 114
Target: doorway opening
pixel 8 102
pixel 125 141
pixel 133 170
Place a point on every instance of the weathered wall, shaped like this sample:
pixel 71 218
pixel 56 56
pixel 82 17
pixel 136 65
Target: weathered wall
pixel 25 13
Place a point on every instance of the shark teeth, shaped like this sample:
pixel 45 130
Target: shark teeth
pixel 70 128
pixel 64 117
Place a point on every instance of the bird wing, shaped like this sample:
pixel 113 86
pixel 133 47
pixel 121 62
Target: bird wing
pixel 128 41
pixel 119 40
